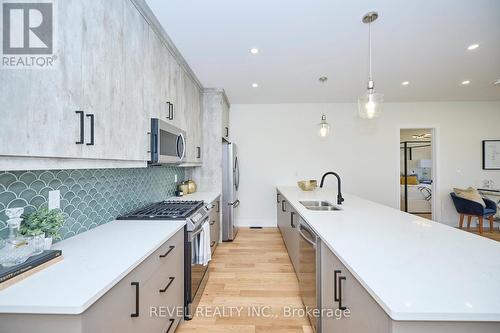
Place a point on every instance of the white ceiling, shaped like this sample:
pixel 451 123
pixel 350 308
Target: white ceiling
pixel 424 42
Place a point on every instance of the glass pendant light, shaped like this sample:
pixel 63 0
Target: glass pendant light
pixel 370 104
pixel 324 127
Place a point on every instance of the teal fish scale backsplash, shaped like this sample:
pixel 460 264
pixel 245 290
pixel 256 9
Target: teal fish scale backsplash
pixel 88 197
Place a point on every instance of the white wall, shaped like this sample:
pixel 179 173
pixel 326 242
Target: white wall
pixel 278 144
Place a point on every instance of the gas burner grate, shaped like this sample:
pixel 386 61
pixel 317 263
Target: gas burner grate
pixel 166 210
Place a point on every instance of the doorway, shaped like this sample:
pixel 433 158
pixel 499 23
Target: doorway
pixel 417 171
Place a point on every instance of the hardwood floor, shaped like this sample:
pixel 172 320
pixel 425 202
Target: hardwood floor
pixel 425 216
pixel 253 272
pixel 495 235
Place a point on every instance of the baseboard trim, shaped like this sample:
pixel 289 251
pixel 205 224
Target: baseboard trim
pixel 248 223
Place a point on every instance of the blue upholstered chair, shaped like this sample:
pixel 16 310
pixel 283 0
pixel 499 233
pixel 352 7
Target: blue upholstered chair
pixel 473 209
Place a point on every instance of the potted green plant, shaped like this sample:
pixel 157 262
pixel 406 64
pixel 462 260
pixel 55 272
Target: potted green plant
pixel 43 222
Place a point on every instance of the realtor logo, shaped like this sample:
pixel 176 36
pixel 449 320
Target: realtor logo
pixel 28 34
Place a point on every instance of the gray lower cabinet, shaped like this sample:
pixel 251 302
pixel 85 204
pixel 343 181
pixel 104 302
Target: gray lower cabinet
pixel 215 224
pixel 341 292
pixel 288 220
pixel 148 299
pixel 340 289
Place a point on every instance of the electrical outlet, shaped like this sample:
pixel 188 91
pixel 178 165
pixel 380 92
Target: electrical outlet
pixel 175 178
pixel 54 199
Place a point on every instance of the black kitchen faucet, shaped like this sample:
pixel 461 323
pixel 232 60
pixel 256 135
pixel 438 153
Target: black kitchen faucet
pixel 339 183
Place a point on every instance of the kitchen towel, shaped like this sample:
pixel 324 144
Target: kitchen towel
pixel 202 246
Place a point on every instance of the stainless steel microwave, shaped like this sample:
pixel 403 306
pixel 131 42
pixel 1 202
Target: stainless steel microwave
pixel 168 143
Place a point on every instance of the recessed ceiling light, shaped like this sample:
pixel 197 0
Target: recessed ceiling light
pixel 405 83
pixel 254 50
pixel 472 47
pixel 323 79
pixel 466 82
pixel 255 85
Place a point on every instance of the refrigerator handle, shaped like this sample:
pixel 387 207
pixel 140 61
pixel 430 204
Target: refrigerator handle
pixel 234 204
pixel 236 173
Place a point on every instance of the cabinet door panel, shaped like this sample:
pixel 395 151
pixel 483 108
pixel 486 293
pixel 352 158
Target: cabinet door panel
pixel 191 108
pixel 225 120
pixel 112 79
pixel 103 72
pixel 365 315
pixel 154 101
pixel 132 122
pixel 120 302
pixel 175 90
pixel 38 106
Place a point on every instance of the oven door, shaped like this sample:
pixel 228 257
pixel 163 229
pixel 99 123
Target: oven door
pixel 168 143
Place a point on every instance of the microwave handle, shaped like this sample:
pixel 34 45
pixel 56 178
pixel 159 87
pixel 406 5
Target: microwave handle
pixel 155 144
pixel 179 154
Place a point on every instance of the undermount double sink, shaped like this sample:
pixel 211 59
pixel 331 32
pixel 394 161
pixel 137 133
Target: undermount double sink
pixel 319 205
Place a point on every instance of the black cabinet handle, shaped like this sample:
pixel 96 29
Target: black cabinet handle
pixel 341 307
pixel 278 198
pixel 335 287
pixel 82 128
pixel 136 314
pixel 92 123
pixel 167 253
pixel 291 219
pixel 149 151
pixel 212 244
pixel 283 209
pixel 172 278
pixel 218 207
pixel 169 115
pixel 172 321
pixel 170 111
pixel 212 223
pixel 198 155
pixel 227 132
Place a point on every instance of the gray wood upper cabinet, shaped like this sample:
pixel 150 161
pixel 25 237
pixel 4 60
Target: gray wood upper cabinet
pixel 38 106
pixel 225 120
pixel 114 37
pixel 155 77
pixel 112 65
pixel 192 109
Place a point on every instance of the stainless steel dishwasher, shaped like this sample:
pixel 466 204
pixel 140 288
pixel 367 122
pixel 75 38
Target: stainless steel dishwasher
pixel 309 272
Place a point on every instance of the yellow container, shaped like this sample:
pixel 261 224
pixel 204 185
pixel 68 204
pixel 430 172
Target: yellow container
pixel 307 185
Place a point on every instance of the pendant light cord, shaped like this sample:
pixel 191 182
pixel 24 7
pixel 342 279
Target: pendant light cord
pixel 370 50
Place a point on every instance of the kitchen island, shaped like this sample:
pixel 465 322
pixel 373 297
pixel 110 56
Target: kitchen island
pixel 421 275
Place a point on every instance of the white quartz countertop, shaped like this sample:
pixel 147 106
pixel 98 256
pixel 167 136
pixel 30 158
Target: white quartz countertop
pixel 207 197
pixel 94 261
pixel 416 269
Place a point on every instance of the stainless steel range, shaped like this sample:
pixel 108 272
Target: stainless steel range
pixel 195 214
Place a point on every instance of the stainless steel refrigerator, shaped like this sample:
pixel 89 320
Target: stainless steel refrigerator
pixel 230 185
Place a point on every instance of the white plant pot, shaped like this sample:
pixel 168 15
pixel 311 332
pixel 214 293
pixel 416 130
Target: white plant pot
pixel 48 243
